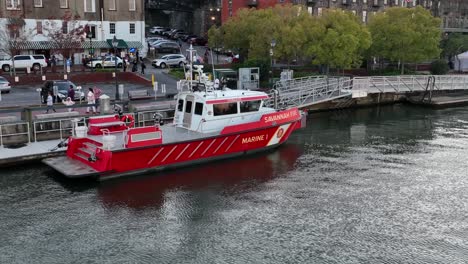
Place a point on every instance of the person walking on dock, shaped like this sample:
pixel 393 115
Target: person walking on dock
pixel 91 100
pixel 143 67
pixel 50 103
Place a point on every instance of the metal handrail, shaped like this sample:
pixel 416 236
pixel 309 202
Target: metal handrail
pixel 2 135
pixel 411 83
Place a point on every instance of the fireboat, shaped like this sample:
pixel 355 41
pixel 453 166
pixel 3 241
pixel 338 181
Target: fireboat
pixel 210 124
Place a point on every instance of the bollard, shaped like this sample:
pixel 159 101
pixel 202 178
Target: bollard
pixel 155 88
pixel 163 88
pixel 121 91
pixel 104 103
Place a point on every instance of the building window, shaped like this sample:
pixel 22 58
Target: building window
pixel 39 27
pixel 131 5
pixel 319 11
pixel 63 3
pixel 112 28
pixel 364 1
pixel 37 3
pixel 65 27
pixel 90 6
pixel 132 28
pixel 385 2
pixel 364 16
pixel 90 31
pixel 112 5
pixel 13 4
pixel 396 2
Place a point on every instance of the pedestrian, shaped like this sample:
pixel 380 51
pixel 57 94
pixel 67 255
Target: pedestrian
pixel 143 67
pixel 97 94
pixel 137 54
pixel 180 42
pixel 205 56
pixel 124 64
pixel 135 66
pixel 91 101
pixel 69 103
pixel 50 103
pixel 71 92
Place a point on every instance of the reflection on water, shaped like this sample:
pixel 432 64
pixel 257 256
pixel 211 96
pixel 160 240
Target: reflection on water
pixel 236 174
pixel 376 185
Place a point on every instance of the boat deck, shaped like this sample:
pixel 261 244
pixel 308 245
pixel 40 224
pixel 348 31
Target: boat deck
pixel 170 134
pixel 70 167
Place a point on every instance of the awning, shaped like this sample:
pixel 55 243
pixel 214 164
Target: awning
pixel 121 44
pixel 98 44
pixel 36 45
pixel 134 44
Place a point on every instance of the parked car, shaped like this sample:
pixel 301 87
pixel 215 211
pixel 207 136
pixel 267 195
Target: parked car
pixel 5 86
pixel 105 62
pixel 170 60
pixel 62 90
pixel 33 62
pixel 153 39
pixel 157 42
pixel 167 47
pixel 156 30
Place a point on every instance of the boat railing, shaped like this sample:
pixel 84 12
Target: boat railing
pixel 6 135
pixel 147 117
pixel 51 128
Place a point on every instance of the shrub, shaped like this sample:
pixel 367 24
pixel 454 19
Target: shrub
pixel 439 67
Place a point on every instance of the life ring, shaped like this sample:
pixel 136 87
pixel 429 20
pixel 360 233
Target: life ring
pixel 128 120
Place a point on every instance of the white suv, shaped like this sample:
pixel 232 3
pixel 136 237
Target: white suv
pixel 105 62
pixel 33 62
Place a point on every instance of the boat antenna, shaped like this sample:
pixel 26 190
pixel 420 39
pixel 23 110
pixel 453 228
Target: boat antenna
pixel 212 63
pixel 191 65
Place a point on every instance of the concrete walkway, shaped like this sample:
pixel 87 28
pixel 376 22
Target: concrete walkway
pixel 29 152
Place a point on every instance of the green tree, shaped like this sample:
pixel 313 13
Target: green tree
pixel 405 35
pixel 251 31
pixel 339 39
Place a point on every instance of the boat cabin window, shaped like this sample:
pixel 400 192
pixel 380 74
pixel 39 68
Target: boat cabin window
pixel 198 108
pixel 180 105
pixel 188 107
pixel 224 109
pixel 250 106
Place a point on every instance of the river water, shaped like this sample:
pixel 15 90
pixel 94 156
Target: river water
pixel 376 185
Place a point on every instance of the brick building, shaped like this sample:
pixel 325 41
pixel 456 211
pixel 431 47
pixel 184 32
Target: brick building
pixel 103 20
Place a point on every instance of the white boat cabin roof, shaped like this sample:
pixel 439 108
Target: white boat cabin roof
pixel 225 95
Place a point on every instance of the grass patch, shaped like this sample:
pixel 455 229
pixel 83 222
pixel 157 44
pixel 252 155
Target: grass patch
pixel 177 73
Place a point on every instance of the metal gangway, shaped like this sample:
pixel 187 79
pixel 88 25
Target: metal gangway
pixel 306 91
pixel 408 84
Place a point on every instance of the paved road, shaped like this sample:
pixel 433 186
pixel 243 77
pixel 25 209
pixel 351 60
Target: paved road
pixel 22 95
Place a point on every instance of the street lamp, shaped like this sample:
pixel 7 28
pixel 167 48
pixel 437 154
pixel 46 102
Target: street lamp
pixel 272 45
pixel 115 42
pixel 91 51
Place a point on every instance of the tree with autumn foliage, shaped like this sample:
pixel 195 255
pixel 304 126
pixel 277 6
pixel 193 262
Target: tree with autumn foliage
pixel 65 35
pixel 13 37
